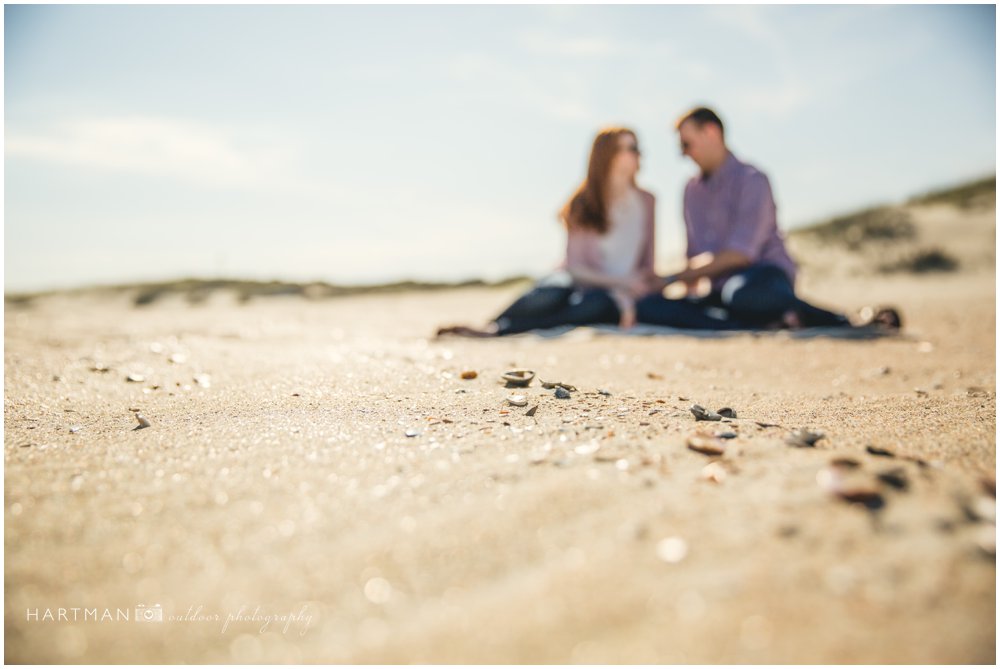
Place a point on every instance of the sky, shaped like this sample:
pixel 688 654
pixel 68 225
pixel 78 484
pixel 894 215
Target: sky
pixel 360 144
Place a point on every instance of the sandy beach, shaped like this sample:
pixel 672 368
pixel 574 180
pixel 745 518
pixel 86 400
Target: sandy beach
pixel 319 484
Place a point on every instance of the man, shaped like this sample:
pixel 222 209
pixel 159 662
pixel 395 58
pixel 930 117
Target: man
pixel 734 242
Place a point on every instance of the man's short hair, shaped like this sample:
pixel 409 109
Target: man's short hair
pixel 700 116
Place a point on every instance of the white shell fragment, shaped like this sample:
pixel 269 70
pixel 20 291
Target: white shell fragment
pixel 517 400
pixel 143 421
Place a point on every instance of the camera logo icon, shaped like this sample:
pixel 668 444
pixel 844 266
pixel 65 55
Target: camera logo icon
pixel 148 614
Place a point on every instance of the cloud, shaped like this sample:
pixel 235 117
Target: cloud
pixel 157 146
pixel 576 47
pixel 559 96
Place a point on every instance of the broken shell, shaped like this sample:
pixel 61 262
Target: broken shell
pixel 562 393
pixel 135 378
pixel 75 429
pixel 986 539
pixel 804 438
pixel 469 374
pixel 701 413
pixel 846 463
pixel 881 452
pixel 517 400
pixel 854 491
pixel 203 380
pixel 518 378
pixel 602 391
pixel 177 358
pixel 143 422
pixel 727 412
pixel 714 472
pixel 895 478
pixel 549 385
pixel 411 433
pixel 531 411
pixel 706 445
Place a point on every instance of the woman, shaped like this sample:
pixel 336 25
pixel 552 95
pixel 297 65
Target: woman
pixel 609 250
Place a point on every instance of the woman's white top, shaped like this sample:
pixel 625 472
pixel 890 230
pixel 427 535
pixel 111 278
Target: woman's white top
pixel 621 245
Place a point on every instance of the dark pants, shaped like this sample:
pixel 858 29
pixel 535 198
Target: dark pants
pixel 752 298
pixel 545 307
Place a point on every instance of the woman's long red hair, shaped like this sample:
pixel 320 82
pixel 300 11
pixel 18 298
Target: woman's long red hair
pixel 588 207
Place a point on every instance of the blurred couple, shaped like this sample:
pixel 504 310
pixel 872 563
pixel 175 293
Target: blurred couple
pixel 733 245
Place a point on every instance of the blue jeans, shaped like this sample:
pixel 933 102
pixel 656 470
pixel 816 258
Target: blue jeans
pixel 545 307
pixel 752 298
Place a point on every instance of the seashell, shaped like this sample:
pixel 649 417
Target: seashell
pixel 855 491
pixel 469 374
pixel 562 393
pixel 177 358
pixel 714 472
pixel 531 411
pixel 411 433
pixel 100 367
pixel 727 412
pixel 701 413
pixel 846 463
pixel 75 429
pixel 549 385
pixel 203 380
pixel 135 378
pixel 143 422
pixel 895 478
pixel 517 400
pixel 881 452
pixel 672 549
pixel 986 539
pixel 804 438
pixel 602 391
pixel 518 378
pixel 726 435
pixel 706 445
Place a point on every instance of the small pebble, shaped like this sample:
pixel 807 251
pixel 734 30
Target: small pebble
pixel 517 400
pixel 562 393
pixel 602 391
pixel 143 422
pixel 531 411
pixel 726 435
pixel 411 433
pixel 135 378
pixel 75 429
pixel 469 374
pixel 881 452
